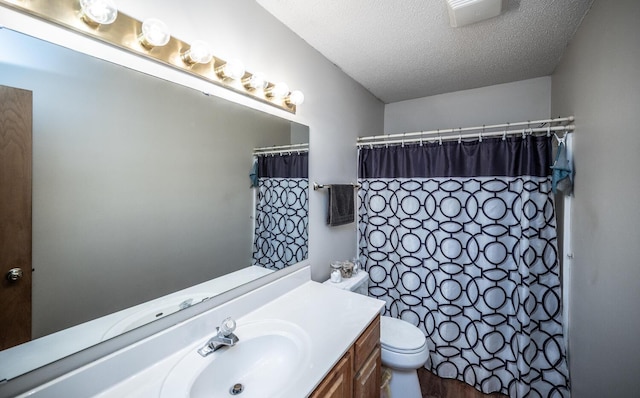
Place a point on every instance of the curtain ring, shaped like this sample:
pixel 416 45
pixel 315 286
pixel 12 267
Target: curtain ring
pixel 549 130
pixel 524 135
pixel 421 136
pixel 459 135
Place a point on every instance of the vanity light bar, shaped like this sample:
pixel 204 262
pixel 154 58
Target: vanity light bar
pixel 176 54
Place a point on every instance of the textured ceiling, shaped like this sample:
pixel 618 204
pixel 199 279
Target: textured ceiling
pixel 405 49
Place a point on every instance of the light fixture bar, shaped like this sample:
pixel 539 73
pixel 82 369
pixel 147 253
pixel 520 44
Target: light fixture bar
pixel 119 33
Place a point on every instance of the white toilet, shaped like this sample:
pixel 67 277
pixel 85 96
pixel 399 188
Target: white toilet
pixel 404 347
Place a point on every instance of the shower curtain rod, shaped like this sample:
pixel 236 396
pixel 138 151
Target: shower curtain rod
pixel 451 132
pixel 279 149
pixel 459 137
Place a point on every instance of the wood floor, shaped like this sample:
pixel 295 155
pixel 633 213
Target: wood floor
pixel 433 386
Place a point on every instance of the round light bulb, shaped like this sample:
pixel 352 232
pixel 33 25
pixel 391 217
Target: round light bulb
pixel 279 90
pixel 295 98
pixel 256 81
pixel 198 53
pixel 155 33
pixel 233 69
pixel 99 12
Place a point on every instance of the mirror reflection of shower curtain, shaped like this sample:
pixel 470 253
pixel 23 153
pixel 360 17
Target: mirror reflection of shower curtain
pixel 460 240
pixel 282 210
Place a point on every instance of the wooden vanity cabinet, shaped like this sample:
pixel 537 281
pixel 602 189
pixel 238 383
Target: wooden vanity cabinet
pixel 358 373
pixel 339 382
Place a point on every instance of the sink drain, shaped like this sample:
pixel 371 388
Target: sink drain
pixel 236 389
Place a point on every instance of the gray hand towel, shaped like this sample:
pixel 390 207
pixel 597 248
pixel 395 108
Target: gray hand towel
pixel 341 207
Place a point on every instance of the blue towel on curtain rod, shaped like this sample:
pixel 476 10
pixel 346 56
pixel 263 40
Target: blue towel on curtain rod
pixel 562 170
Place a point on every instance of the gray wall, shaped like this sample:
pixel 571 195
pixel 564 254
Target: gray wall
pixel 509 102
pixel 140 186
pixel 598 81
pixel 336 108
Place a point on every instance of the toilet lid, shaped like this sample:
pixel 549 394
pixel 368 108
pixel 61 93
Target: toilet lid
pixel 400 336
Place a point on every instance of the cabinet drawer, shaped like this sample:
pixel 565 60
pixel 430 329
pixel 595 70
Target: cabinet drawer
pixel 369 340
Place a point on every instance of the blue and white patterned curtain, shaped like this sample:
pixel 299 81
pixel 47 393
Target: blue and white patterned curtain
pixel 282 211
pixel 460 240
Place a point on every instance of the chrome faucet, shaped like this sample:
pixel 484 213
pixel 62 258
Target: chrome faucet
pixel 224 338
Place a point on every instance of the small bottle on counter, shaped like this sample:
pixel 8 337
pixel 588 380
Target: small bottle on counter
pixel 347 269
pixel 356 265
pixel 336 276
pixel 336 271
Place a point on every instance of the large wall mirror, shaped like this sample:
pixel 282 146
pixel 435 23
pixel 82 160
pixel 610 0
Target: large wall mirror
pixel 143 201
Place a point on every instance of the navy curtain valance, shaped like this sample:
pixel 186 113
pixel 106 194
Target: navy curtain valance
pixel 295 165
pixel 513 156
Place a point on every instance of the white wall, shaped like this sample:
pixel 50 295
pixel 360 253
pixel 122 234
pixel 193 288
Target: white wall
pixel 510 102
pixel 598 81
pixel 337 109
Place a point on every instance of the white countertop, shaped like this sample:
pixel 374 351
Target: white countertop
pixel 332 318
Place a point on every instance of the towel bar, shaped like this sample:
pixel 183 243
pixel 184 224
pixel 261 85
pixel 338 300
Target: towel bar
pixel 317 186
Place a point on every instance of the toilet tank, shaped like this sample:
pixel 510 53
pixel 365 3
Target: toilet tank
pixel 358 283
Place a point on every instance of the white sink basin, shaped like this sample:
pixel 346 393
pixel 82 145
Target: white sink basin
pixel 265 361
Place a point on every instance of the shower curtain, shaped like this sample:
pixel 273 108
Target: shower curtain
pixel 459 239
pixel 281 218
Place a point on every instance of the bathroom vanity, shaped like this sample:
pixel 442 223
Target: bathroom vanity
pixel 297 338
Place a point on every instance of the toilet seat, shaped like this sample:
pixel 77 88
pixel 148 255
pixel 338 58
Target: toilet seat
pixel 400 336
pixel 401 351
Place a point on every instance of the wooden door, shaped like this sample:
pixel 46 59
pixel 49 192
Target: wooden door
pixel 15 215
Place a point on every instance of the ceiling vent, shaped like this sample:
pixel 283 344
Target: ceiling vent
pixel 466 12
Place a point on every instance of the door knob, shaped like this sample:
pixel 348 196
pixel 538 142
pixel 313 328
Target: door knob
pixel 14 274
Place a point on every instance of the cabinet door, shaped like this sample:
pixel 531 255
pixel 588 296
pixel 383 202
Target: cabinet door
pixel 339 382
pixel 365 344
pixel 367 381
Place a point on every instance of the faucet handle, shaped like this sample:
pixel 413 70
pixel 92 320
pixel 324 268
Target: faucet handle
pixel 227 327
